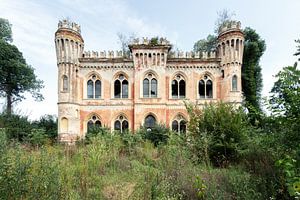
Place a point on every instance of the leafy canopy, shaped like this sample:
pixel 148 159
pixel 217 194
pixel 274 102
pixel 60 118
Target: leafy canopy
pixel 5 30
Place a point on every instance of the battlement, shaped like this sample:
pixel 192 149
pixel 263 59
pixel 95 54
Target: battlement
pixel 192 54
pixel 103 54
pixel 151 42
pixel 66 24
pixel 230 26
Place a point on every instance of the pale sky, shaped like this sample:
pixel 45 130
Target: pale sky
pixel 182 22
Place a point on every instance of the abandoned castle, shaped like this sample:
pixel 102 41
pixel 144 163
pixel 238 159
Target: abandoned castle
pixel 149 86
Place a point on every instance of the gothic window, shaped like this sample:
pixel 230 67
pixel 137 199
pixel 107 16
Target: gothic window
pixel 179 124
pixel 205 88
pixel 94 88
pixel 150 121
pixel 93 123
pixel 121 87
pixel 65 83
pixel 234 83
pixel 150 86
pixel 121 124
pixel 178 87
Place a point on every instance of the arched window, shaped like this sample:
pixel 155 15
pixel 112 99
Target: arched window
pixel 150 86
pixel 121 87
pixel 121 124
pixel 178 87
pixel 205 88
pixel 64 125
pixel 234 83
pixel 150 121
pixel 93 123
pixel 179 124
pixel 94 87
pixel 65 83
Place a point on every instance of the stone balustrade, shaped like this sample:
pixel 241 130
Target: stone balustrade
pixel 103 54
pixel 192 54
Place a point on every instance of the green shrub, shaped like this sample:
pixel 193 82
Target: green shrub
pixel 218 131
pixel 158 134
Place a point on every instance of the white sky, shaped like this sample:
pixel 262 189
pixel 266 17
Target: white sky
pixel 182 22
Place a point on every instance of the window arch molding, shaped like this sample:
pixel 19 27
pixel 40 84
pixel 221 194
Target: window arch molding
pixel 93 86
pixel 206 86
pixel 147 120
pixel 179 123
pixel 93 120
pixel 120 86
pixel 149 82
pixel 234 83
pixel 178 85
pixel 65 83
pixel 121 123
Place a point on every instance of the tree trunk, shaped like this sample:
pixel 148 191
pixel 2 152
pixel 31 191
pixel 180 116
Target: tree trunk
pixel 8 104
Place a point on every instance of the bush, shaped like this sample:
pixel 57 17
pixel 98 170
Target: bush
pixel 218 131
pixel 159 134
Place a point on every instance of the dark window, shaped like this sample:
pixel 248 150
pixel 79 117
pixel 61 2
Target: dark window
pixel 93 123
pixel 121 124
pixel 121 87
pixel 175 125
pixel 201 89
pixel 182 127
pixel 205 88
pixel 90 89
pixel 178 87
pixel 174 89
pixel 65 83
pixel 209 89
pixel 150 121
pixel 117 88
pixel 234 83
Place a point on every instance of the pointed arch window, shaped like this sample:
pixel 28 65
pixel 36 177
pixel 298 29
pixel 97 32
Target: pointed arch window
pixel 121 124
pixel 121 87
pixel 150 121
pixel 93 123
pixel 150 86
pixel 234 83
pixel 205 88
pixel 65 83
pixel 94 87
pixel 178 87
pixel 179 124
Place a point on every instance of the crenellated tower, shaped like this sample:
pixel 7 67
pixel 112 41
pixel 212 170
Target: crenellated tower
pixel 230 49
pixel 69 46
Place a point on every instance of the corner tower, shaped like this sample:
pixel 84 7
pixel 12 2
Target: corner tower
pixel 230 50
pixel 69 47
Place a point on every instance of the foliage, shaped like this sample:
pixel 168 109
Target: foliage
pixel 49 124
pixel 37 137
pixel 298 48
pixel 16 76
pixel 124 42
pixel 158 134
pixel 221 127
pixel 5 30
pixel 224 17
pixel 254 47
pixel 209 44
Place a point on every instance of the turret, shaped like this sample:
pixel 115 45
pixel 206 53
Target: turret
pixel 69 47
pixel 230 50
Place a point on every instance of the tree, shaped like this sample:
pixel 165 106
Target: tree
pixel 298 49
pixel 224 17
pixel 254 48
pixel 5 30
pixel 16 76
pixel 209 44
pixel 285 97
pixel 124 42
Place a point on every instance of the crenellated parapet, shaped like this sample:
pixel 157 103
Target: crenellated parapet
pixel 229 26
pixel 66 24
pixel 153 41
pixel 103 54
pixel 192 54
